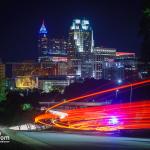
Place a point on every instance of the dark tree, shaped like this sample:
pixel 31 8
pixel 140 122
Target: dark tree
pixel 145 31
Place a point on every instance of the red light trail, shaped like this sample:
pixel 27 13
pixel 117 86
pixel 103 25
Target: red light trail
pixel 134 115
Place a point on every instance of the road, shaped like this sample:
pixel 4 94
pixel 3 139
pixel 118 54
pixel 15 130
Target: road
pixel 73 141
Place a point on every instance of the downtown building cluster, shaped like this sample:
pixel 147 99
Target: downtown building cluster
pixel 64 61
pixel 81 58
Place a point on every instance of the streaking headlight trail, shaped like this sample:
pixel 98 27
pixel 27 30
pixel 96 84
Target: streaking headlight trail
pixel 135 115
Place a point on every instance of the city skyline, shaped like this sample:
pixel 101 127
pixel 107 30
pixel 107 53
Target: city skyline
pixel 75 74
pixel 23 41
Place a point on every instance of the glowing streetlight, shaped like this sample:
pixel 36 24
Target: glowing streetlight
pixel 119 81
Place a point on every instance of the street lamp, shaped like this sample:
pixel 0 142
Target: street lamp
pixel 119 81
pixel 117 93
pixel 131 93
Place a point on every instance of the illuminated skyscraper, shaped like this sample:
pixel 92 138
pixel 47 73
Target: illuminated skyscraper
pixel 81 36
pixel 81 45
pixel 43 43
pixel 103 62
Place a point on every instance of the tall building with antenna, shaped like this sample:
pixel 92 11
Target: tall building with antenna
pixel 43 43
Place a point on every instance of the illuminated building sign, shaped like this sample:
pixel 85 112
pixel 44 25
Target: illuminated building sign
pixel 59 59
pixel 124 54
pixel 26 82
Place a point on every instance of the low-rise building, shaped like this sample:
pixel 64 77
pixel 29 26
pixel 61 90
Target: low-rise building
pixel 51 83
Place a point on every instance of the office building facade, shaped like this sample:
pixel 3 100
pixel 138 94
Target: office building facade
pixel 80 47
pixel 103 62
pixel 127 64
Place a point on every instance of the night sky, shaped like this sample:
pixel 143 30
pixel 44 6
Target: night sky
pixel 115 24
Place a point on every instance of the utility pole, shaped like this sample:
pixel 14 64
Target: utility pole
pixel 131 94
